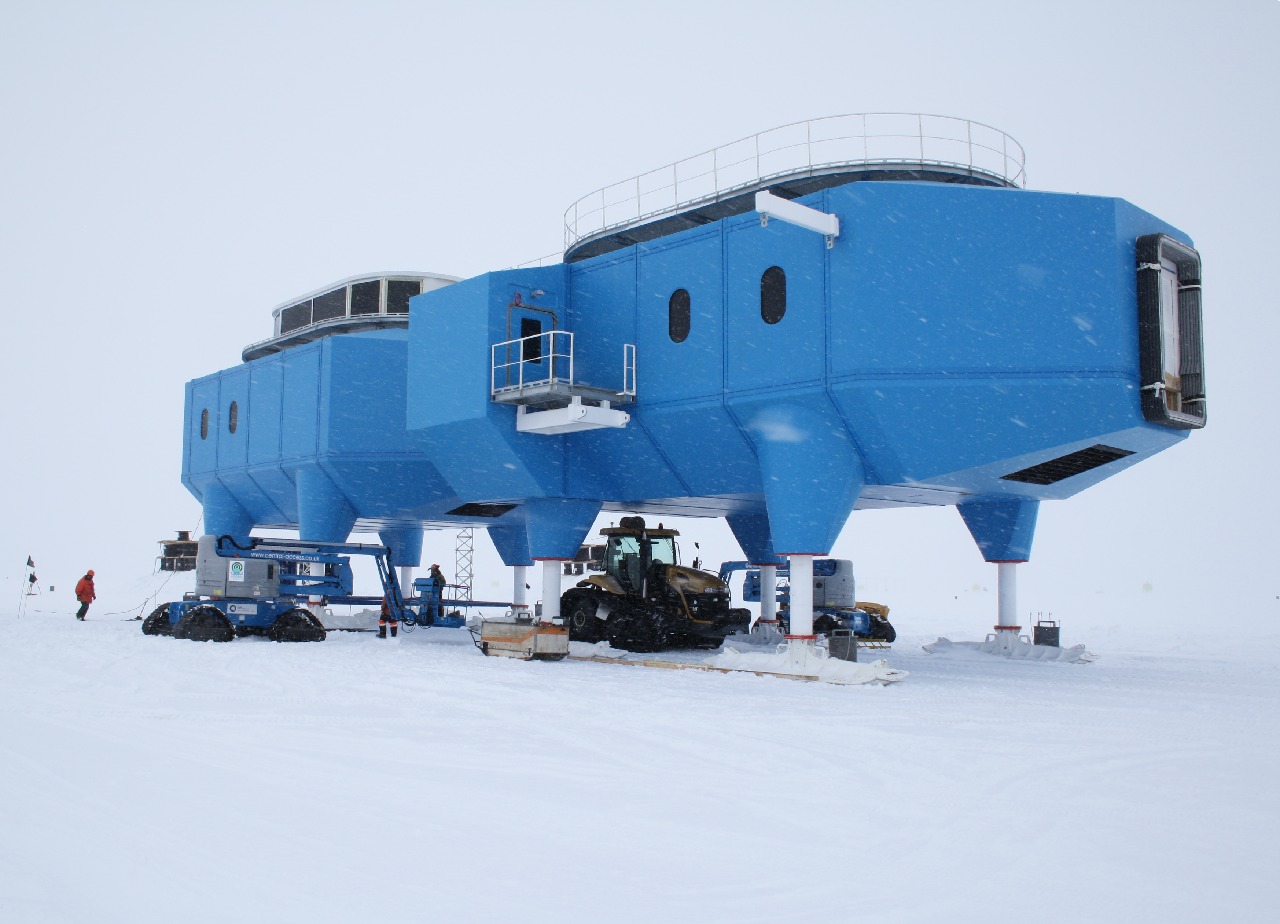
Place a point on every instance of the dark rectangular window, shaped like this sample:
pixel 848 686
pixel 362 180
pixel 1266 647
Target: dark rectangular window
pixel 295 316
pixel 364 297
pixel 330 305
pixel 531 349
pixel 399 291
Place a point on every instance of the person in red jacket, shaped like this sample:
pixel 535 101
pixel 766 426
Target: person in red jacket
pixel 85 593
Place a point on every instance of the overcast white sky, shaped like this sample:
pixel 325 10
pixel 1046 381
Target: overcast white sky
pixel 172 171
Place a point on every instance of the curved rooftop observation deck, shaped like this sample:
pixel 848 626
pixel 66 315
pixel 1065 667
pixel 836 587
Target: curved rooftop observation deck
pixel 353 304
pixel 791 160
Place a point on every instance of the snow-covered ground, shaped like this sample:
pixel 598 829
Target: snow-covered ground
pixel 148 779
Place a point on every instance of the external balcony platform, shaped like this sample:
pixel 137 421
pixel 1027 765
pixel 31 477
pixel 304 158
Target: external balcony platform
pixel 536 375
pixel 558 394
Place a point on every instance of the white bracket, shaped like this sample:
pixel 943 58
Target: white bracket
pixel 570 419
pixel 769 205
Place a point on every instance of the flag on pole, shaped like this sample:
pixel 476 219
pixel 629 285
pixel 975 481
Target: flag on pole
pixel 30 563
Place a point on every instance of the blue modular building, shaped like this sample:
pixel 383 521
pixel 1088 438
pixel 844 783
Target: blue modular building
pixel 853 312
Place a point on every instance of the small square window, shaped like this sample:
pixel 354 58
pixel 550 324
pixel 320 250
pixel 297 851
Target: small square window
pixel 365 297
pixel 295 316
pixel 399 291
pixel 330 305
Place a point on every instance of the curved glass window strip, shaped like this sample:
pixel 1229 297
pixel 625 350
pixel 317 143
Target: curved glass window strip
pixel 356 304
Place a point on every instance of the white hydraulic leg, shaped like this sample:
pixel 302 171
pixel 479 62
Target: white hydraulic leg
pixel 1007 592
pixel 519 595
pixel 406 580
pixel 768 597
pixel 801 599
pixel 550 590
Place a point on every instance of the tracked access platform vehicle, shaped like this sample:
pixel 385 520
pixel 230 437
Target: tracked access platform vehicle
pixel 264 587
pixel 645 600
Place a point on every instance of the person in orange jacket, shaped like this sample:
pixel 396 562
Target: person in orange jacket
pixel 85 593
pixel 384 619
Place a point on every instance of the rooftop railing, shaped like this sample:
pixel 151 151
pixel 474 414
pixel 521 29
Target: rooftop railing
pixel 873 139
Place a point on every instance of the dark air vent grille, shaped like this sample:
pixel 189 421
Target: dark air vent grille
pixel 481 510
pixel 1074 463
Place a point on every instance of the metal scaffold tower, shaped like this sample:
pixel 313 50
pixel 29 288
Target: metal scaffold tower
pixel 464 554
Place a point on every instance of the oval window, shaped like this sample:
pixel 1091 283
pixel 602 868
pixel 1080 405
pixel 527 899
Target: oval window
pixel 204 424
pixel 678 316
pixel 233 417
pixel 773 295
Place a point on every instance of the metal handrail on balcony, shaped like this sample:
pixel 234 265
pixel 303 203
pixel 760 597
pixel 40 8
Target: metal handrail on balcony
pixel 815 146
pixel 536 362
pixel 545 361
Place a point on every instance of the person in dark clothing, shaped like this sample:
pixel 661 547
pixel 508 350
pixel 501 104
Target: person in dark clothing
pixel 386 618
pixel 85 593
pixel 436 594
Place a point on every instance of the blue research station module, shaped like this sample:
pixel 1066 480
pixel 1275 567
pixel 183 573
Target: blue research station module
pixel 848 313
